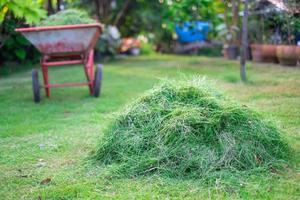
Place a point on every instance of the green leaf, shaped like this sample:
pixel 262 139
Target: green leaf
pixel 29 10
pixel 20 53
pixel 10 43
pixel 21 40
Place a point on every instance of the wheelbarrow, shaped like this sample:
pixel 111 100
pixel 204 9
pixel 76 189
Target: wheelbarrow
pixel 65 45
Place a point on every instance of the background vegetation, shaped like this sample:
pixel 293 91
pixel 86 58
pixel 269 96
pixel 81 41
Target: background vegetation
pixel 153 21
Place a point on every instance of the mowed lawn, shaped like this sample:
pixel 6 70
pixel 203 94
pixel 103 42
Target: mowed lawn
pixel 44 148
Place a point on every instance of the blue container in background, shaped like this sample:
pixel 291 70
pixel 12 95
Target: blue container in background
pixel 192 31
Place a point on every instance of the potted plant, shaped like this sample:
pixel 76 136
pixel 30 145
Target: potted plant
pixel 228 35
pixel 298 42
pixel 255 38
pixel 287 53
pixel 269 53
pixel 264 53
pixel 298 54
pixel 270 37
pixel 256 52
pixel 263 42
pixel 229 31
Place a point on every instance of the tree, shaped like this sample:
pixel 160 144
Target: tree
pixel 14 13
pixel 103 8
pixel 235 16
pixel 244 43
pixel 28 10
pixel 50 8
pixel 121 12
pixel 191 10
pixel 58 4
pixel 20 9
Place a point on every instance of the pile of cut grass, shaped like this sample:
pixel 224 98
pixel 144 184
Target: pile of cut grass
pixel 186 129
pixel 67 17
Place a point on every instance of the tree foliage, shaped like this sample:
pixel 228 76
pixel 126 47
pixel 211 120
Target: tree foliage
pixel 28 10
pixel 155 18
pixel 187 10
pixel 13 14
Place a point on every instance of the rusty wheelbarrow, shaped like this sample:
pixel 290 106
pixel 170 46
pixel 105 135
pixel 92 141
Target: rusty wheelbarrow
pixel 65 45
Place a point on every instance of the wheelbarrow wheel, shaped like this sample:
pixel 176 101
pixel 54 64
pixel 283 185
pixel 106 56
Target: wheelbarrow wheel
pixel 35 86
pixel 98 81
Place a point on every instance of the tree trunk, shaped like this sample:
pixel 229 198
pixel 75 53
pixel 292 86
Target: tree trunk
pixel 244 43
pixel 226 16
pixel 121 12
pixel 235 17
pixel 235 11
pixel 50 9
pixel 97 8
pixel 58 4
pixel 103 9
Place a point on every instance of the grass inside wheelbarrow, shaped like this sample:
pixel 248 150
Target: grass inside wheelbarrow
pixel 68 17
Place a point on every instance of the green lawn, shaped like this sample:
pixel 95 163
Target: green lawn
pixel 53 139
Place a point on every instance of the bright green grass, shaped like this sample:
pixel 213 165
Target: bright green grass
pixel 54 139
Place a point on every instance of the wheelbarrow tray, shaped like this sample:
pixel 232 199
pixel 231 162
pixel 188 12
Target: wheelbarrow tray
pixel 66 39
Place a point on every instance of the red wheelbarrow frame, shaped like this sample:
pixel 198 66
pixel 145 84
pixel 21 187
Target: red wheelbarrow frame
pixel 54 61
pixel 59 53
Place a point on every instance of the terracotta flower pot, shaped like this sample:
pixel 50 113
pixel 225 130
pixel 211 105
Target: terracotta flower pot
pixel 230 52
pixel 287 55
pixel 269 53
pixel 256 51
pixel 298 54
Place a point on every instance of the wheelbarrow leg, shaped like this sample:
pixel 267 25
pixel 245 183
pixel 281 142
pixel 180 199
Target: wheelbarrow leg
pixel 91 67
pixel 46 79
pixel 89 71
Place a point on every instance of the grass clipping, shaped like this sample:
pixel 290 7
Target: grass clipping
pixel 67 17
pixel 186 129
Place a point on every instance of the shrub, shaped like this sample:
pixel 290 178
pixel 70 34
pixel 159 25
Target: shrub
pixel 15 47
pixel 147 49
pixel 213 51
